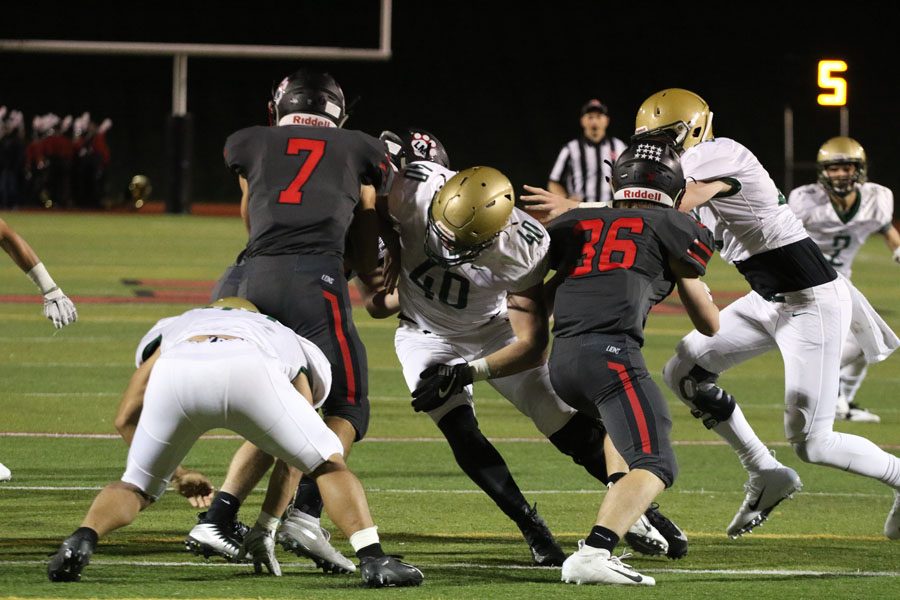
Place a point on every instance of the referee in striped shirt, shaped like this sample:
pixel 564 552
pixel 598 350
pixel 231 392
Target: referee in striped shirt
pixel 585 163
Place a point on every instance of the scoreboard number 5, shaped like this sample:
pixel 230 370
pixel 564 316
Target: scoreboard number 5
pixel 835 86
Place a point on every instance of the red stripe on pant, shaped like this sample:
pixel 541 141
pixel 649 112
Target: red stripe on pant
pixel 342 342
pixel 636 409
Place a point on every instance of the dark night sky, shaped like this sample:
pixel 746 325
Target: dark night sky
pixel 498 83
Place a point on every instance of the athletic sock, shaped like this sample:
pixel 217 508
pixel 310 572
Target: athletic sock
pixel 224 508
pixel 88 533
pixel 603 538
pixel 308 499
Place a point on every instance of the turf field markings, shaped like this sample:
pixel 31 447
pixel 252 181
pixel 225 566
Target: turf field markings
pixel 465 565
pixel 458 492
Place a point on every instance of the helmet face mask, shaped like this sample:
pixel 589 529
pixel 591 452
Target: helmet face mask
pixel 308 98
pixel 841 152
pixel 467 214
pixel 682 115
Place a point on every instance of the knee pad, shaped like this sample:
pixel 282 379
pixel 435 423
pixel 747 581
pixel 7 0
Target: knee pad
pixel 707 401
pixel 582 439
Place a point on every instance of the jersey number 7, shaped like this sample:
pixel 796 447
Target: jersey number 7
pixel 615 252
pixel 293 194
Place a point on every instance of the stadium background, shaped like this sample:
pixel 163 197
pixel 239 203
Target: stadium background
pixel 500 83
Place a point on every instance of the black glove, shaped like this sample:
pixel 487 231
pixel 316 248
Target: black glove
pixel 439 384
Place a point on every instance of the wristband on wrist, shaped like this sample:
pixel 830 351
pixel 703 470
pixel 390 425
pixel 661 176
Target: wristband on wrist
pixel 41 278
pixel 480 369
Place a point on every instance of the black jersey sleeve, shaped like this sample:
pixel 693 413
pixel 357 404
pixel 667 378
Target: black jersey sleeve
pixel 378 172
pixel 563 244
pixel 687 240
pixel 238 151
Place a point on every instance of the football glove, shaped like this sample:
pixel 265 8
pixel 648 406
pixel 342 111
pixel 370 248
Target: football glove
pixel 259 546
pixel 438 384
pixel 59 309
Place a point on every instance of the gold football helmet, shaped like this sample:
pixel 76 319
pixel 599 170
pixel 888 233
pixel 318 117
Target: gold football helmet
pixel 841 151
pixel 467 214
pixel 683 114
pixel 234 303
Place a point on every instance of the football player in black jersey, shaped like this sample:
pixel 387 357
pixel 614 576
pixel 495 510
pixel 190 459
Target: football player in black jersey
pixel 613 265
pixel 306 184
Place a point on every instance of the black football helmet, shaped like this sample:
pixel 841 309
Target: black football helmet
pixel 308 92
pixel 414 144
pixel 649 170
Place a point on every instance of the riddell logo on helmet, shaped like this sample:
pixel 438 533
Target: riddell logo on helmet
pixel 641 194
pixel 308 119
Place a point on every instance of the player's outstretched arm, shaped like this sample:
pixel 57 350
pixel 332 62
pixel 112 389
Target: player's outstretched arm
pixel 379 303
pixel 701 192
pixel 545 205
pixel 57 306
pixel 892 239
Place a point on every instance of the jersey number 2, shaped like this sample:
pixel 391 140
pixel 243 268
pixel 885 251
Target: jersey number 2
pixel 293 194
pixel 615 253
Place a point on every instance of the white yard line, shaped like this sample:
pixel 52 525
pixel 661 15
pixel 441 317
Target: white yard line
pixel 306 565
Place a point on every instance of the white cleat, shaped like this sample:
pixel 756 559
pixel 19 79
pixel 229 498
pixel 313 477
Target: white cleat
pixel 892 523
pixel 646 539
pixel 5 474
pixel 303 535
pixel 595 565
pixel 765 490
pixel 862 415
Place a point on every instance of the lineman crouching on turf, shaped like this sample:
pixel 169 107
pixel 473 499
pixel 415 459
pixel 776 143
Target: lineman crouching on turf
pixel 228 366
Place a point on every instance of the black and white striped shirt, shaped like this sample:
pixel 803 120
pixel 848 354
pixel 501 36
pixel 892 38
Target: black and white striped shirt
pixel 579 163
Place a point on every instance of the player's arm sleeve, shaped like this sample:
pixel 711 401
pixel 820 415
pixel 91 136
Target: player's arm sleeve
pixel 377 171
pixel 237 149
pixel 687 241
pixel 710 162
pixel 560 233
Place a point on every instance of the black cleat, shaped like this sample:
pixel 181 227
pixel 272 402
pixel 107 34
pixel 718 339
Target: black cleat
pixel 388 571
pixel 72 557
pixel 211 538
pixel 545 551
pixel 678 542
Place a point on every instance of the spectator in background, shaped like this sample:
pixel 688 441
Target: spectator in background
pixel 35 164
pixel 582 169
pixel 58 151
pixel 12 158
pixel 91 161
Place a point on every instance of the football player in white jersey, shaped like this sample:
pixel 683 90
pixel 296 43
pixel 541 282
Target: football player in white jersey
pixel 798 304
pixel 471 270
pixel 840 212
pixel 228 366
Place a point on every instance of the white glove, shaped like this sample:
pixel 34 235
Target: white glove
pixel 259 546
pixel 59 309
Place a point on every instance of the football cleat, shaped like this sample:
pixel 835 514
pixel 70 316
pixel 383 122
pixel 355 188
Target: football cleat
pixel 304 536
pixel 545 551
pixel 596 565
pixel 211 538
pixel 72 557
pixel 259 547
pixel 892 523
pixel 677 540
pixel 643 537
pixel 765 490
pixel 5 473
pixel 388 571
pixel 861 415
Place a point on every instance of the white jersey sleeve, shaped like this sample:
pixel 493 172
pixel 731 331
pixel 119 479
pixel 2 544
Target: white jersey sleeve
pixel 753 214
pixel 840 236
pixel 273 339
pixel 453 301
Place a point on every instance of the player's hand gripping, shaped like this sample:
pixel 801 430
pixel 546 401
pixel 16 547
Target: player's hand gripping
pixel 259 546
pixel 59 309
pixel 438 384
